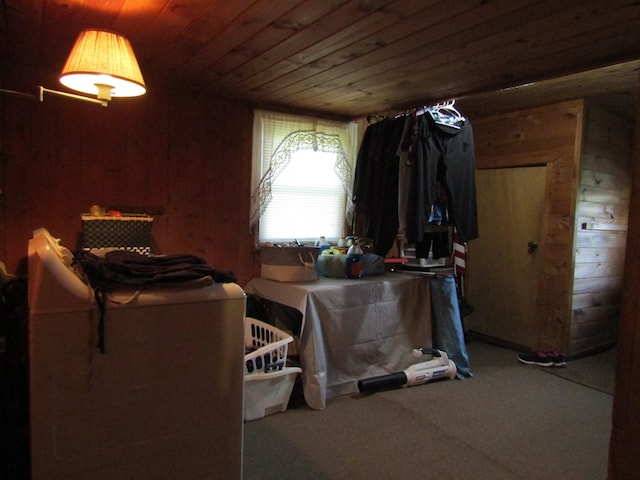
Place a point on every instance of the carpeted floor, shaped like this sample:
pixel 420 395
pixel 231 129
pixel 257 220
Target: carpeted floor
pixel 595 371
pixel 510 421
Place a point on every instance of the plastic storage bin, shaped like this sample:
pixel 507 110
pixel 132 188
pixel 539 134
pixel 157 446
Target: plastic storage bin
pixel 268 382
pixel 269 346
pixel 268 393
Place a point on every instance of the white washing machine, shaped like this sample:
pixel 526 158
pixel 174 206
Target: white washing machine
pixel 164 400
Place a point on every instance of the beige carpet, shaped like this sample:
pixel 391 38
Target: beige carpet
pixel 594 371
pixel 510 421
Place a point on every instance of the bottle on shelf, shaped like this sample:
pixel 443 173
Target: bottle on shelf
pixel 354 262
pixel 323 244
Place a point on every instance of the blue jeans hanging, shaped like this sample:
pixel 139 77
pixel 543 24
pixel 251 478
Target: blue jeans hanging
pixel 448 335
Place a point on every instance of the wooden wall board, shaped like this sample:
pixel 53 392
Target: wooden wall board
pixel 187 157
pixel 597 270
pixel 595 299
pixel 598 215
pixel 602 223
pixel 550 135
pixel 625 432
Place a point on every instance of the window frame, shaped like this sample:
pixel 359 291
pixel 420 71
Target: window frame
pixel 271 153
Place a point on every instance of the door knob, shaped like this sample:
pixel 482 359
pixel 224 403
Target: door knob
pixel 532 247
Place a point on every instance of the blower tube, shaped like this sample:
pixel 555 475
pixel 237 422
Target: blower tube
pixel 438 367
pixel 383 382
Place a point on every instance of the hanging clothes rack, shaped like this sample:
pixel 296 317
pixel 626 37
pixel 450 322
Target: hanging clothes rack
pixel 444 114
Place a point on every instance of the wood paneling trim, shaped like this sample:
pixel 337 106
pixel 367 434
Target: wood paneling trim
pixel 625 433
pixel 540 136
pixel 551 136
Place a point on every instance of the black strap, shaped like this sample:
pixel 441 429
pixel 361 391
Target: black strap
pixel 100 296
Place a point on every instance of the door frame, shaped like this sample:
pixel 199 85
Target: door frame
pixel 549 136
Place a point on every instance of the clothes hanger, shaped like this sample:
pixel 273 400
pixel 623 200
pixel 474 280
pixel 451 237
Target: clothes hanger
pixel 449 108
pixel 371 119
pixel 446 114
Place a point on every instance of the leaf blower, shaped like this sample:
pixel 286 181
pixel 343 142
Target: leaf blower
pixel 438 367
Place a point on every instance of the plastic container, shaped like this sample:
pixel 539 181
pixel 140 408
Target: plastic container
pixel 268 393
pixel 269 345
pixel 268 382
pixel 353 267
pixel 323 244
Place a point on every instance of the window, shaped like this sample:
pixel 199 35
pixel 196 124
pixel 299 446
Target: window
pixel 301 177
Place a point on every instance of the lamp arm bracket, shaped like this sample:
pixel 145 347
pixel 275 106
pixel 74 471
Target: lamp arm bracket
pixel 17 94
pixel 43 90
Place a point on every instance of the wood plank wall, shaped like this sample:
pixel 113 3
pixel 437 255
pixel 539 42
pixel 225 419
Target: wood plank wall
pixel 602 219
pixel 550 136
pixel 183 158
pixel 625 432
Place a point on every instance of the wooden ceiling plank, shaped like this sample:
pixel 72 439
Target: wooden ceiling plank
pixel 161 32
pixel 610 81
pixel 460 43
pixel 329 20
pixel 445 49
pixel 297 20
pixel 467 85
pixel 356 27
pixel 432 37
pixel 619 44
pixel 246 26
pixel 383 42
pixel 100 14
pixel 505 44
pixel 462 85
pixel 510 72
pixel 318 56
pixel 199 32
pixel 135 19
pixel 466 89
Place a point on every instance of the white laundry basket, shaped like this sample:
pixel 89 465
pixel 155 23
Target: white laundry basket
pixel 266 347
pixel 268 393
pixel 268 382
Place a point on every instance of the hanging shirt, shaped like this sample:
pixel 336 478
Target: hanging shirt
pixel 375 191
pixel 445 154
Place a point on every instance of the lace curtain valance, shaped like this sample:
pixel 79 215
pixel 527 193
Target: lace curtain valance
pixel 278 136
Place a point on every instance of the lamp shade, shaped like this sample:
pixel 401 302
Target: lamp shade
pixel 102 63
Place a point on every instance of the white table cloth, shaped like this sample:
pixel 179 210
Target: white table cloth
pixel 353 329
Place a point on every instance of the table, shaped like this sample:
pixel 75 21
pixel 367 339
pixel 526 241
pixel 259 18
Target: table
pixel 353 329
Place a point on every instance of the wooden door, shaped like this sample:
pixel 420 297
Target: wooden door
pixel 504 263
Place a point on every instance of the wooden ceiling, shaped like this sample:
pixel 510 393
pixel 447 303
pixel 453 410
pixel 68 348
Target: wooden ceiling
pixel 350 58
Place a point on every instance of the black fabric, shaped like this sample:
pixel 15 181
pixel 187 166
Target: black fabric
pixel 445 156
pixel 375 193
pixel 442 164
pixel 121 270
pixel 280 316
pixel 437 242
pixel 14 379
